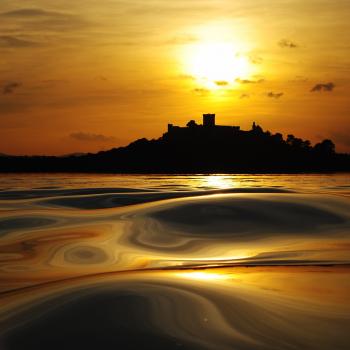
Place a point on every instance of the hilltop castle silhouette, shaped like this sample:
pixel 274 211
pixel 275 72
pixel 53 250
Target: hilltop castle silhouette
pixel 195 148
pixel 208 125
pixel 207 129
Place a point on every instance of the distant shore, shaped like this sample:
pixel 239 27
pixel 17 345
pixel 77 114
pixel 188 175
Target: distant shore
pixel 196 148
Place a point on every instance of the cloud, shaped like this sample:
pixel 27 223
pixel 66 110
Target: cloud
pixel 10 87
pixel 39 19
pixel 186 77
pixel 30 13
pixel 299 79
pixel 275 94
pixel 250 56
pixel 255 59
pixel 285 43
pixel 89 137
pixel 182 40
pixel 221 83
pixel 323 87
pixel 164 8
pixel 47 84
pixel 201 91
pixel 7 41
pixel 247 81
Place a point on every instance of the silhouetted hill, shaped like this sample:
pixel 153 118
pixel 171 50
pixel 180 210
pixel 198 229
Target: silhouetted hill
pixel 76 154
pixel 197 149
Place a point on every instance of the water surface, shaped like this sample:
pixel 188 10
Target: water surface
pixel 157 262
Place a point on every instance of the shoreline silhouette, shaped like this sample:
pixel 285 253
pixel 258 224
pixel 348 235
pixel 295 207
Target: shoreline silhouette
pixel 197 148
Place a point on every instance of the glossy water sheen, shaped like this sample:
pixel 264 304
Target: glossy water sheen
pixel 175 262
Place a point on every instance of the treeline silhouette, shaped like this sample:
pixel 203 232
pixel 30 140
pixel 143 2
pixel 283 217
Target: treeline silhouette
pixel 197 149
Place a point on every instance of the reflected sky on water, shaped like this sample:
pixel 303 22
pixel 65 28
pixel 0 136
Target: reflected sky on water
pixel 195 262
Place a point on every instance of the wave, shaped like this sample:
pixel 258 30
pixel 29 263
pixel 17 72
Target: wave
pixel 213 310
pixel 164 265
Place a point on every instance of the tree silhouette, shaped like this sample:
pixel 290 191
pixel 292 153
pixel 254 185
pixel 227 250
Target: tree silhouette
pixel 197 148
pixel 326 147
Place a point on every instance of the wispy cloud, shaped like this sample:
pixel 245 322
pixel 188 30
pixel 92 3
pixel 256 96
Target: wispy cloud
pixel 186 77
pixel 248 81
pixel 10 87
pixel 30 13
pixel 323 87
pixel 41 19
pixel 8 41
pixel 255 59
pixel 275 95
pixel 201 91
pixel 252 57
pixel 286 43
pixel 299 79
pixel 89 137
pixel 161 8
pixel 221 83
pixel 182 39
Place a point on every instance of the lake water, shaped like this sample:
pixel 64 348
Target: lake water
pixel 174 262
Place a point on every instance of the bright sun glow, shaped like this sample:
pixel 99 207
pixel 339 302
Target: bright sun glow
pixel 216 64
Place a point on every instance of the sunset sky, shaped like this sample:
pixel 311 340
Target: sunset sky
pixel 87 75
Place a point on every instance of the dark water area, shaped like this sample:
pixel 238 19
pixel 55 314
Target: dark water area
pixel 174 262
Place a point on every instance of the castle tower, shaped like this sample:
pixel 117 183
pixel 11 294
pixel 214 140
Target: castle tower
pixel 208 120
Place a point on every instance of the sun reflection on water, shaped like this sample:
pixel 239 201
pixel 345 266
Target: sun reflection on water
pixel 204 275
pixel 218 181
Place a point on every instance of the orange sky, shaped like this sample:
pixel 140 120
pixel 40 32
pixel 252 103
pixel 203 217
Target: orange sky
pixel 78 76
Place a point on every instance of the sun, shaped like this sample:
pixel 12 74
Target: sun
pixel 216 64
